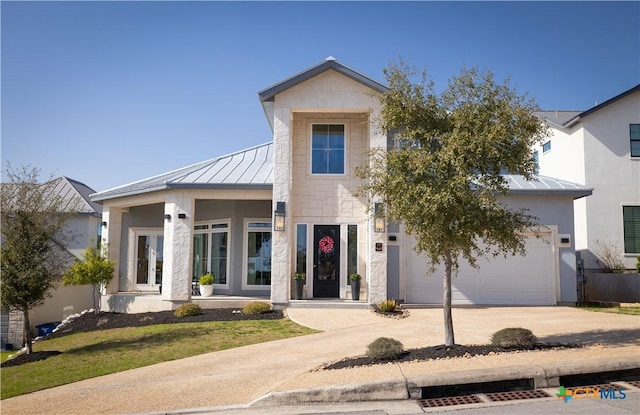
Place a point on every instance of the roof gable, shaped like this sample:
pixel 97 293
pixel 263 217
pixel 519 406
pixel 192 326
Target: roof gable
pixel 268 94
pixel 566 119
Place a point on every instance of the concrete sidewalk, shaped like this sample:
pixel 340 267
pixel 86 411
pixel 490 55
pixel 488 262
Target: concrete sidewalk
pixel 268 373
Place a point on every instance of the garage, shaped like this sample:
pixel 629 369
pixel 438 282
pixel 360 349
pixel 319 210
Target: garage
pixel 521 280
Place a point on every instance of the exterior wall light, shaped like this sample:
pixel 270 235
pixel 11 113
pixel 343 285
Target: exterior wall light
pixel 104 224
pixel 182 215
pixel 278 217
pixel 167 216
pixel 378 219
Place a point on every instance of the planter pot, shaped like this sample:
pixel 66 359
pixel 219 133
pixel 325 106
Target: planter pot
pixel 355 290
pixel 206 290
pixel 299 285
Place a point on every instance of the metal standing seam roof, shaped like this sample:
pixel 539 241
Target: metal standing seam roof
pixel 247 169
pixel 544 185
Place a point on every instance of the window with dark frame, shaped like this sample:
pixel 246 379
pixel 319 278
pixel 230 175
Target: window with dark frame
pixel 546 146
pixel 631 225
pixel 327 149
pixel 634 137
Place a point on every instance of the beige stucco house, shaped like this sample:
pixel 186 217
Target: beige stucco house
pixel 255 217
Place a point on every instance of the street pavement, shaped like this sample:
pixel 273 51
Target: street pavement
pixel 283 372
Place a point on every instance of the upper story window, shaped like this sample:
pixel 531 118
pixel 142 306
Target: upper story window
pixel 536 161
pixel 327 149
pixel 546 146
pixel 634 135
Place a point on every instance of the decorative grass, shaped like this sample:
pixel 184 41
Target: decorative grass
pixel 97 353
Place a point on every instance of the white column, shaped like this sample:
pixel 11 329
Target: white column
pixel 178 241
pixel 377 260
pixel 282 240
pixel 111 237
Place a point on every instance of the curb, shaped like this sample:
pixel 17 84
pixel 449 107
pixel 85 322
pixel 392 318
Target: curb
pixel 543 376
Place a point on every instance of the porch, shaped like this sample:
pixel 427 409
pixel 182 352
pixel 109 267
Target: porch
pixel 141 302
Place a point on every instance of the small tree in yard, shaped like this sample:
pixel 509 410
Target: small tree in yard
pixel 94 269
pixel 33 254
pixel 442 180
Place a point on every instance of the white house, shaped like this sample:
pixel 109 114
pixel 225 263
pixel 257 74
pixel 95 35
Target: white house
pixel 600 148
pixel 64 300
pixel 255 217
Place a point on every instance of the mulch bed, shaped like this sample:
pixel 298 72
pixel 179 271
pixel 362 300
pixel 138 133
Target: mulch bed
pixel 439 353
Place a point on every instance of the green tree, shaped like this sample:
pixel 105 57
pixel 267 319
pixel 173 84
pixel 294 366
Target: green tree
pixel 33 253
pixel 95 269
pixel 442 179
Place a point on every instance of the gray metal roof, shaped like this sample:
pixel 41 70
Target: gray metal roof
pixel 69 195
pixel 74 191
pixel 247 169
pixel 569 118
pixel 544 185
pixel 558 118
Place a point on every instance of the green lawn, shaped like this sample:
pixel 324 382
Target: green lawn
pixel 87 355
pixel 635 311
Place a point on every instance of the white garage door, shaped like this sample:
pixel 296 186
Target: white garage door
pixel 518 280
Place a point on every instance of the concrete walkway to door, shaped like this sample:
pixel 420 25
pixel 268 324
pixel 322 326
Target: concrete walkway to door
pixel 283 371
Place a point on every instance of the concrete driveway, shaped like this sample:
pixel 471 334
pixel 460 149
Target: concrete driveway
pixel 243 375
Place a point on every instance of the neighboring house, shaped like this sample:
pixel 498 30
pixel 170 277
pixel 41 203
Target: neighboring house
pixel 64 300
pixel 600 148
pixel 255 217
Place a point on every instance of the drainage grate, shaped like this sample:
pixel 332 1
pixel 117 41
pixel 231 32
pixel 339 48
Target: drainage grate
pixel 517 395
pixel 449 401
pixel 578 390
pixel 634 383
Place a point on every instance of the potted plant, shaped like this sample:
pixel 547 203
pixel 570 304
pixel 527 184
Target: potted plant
pixel 300 278
pixel 206 285
pixel 355 286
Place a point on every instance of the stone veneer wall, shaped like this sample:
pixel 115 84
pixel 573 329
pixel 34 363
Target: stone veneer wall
pixel 329 199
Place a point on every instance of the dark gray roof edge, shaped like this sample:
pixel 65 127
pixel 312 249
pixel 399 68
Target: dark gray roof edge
pixel 606 103
pixel 577 193
pixel 269 93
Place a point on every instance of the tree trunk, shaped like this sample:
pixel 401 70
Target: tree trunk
pixel 28 336
pixel 449 339
pixel 96 303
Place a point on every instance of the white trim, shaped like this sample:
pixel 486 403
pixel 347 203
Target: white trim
pixel 343 122
pixel 209 231
pixel 134 232
pixel 245 252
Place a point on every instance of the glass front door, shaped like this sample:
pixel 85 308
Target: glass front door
pixel 149 260
pixel 326 261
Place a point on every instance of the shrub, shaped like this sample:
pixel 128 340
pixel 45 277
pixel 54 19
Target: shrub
pixel 354 276
pixel 388 306
pixel 206 279
pixel 385 348
pixel 609 257
pixel 256 308
pixel 638 264
pixel 300 276
pixel 514 337
pixel 188 309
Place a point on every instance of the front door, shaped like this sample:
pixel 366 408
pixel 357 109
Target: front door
pixel 326 261
pixel 149 260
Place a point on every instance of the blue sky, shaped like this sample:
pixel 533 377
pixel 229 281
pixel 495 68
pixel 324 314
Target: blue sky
pixel 112 92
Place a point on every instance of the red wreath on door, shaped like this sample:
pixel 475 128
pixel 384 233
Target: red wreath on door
pixel 325 244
